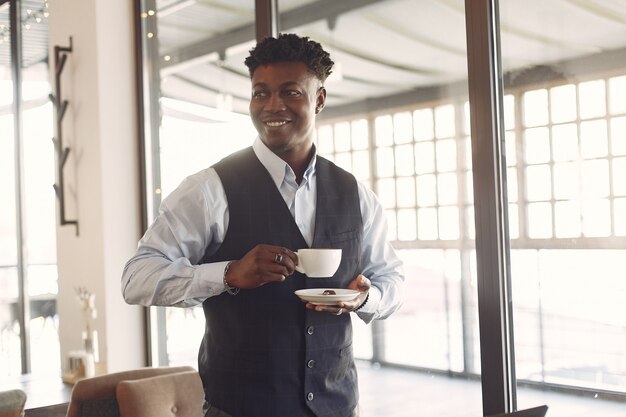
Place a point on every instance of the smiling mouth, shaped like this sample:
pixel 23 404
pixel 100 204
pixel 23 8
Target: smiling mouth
pixel 276 123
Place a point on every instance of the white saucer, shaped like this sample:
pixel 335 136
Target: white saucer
pixel 316 296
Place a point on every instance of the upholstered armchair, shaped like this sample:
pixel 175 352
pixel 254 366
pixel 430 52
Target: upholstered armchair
pixel 96 397
pixel 12 403
pixel 178 394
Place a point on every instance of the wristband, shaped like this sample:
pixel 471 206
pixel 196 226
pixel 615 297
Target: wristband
pixel 362 304
pixel 230 290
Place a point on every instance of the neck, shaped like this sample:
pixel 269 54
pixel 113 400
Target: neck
pixel 298 163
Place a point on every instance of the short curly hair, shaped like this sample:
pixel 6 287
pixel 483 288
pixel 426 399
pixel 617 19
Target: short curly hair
pixel 293 48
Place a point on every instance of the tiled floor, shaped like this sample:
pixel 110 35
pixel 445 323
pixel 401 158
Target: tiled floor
pixel 390 392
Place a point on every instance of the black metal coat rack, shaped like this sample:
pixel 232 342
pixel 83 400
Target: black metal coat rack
pixel 60 106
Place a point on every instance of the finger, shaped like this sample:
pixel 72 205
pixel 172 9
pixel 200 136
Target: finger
pixel 289 253
pixel 283 257
pixel 273 277
pixel 328 308
pixel 278 269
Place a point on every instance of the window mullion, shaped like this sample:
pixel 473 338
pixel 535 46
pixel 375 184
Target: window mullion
pixel 489 174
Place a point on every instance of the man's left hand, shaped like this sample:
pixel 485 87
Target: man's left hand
pixel 361 284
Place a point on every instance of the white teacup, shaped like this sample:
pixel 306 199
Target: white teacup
pixel 318 263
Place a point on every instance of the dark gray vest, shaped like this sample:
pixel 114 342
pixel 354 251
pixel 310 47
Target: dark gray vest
pixel 263 353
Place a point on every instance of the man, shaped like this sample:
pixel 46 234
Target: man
pixel 226 238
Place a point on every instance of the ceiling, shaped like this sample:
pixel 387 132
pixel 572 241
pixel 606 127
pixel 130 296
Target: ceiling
pixel 387 50
pixel 34 33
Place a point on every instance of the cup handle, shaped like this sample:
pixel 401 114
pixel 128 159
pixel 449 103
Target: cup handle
pixel 298 267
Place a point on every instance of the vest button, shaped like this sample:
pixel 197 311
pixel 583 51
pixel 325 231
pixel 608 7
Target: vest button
pixel 309 396
pixel 310 363
pixel 310 330
pixel 174 409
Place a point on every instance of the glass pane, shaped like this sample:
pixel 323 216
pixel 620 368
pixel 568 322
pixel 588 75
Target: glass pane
pixel 617 94
pixel 360 134
pixel 566 181
pixel 537 145
pixel 426 190
pixel 411 47
pixel 384 130
pixel 593 139
pixel 565 142
pixel 535 105
pixel 406 192
pixel 424 157
pixel 509 111
pixel 446 155
pixel 447 189
pixel 325 143
pixel 40 217
pixel 342 137
pixel 361 165
pixel 592 99
pixel 203 94
pixel 11 346
pixel 416 172
pixel 448 223
pixel 563 103
pixel 619 171
pixel 384 162
pixel 407 223
pixel 444 121
pixel 618 136
pixel 344 160
pixel 423 126
pixel 386 191
pixel 538 183
pixel 404 160
pixel 566 326
pixel 402 127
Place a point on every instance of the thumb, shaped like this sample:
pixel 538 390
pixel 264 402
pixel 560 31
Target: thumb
pixel 363 283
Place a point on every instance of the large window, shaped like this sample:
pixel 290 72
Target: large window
pixel 398 118
pixel 566 132
pixel 28 273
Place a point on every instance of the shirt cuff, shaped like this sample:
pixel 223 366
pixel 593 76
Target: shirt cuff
pixel 211 280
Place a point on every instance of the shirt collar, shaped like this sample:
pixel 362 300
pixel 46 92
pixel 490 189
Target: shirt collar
pixel 277 168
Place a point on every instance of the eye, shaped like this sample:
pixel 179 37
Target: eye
pixel 292 93
pixel 259 94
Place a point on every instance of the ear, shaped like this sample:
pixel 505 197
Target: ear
pixel 320 100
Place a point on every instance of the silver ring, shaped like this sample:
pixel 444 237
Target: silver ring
pixel 339 312
pixel 278 258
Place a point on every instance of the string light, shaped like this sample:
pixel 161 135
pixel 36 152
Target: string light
pixel 223 100
pixel 31 17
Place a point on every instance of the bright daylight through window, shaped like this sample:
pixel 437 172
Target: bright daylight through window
pixel 398 118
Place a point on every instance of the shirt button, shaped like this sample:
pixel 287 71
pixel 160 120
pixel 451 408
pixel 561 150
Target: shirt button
pixel 174 409
pixel 309 396
pixel 310 363
pixel 310 330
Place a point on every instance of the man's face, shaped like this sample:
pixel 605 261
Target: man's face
pixel 284 99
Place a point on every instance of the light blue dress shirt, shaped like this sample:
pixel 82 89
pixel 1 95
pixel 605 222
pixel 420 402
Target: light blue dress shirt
pixel 193 220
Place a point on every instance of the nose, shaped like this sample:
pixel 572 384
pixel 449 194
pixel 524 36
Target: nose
pixel 275 103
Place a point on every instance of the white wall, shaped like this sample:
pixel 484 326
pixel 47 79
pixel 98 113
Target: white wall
pixel 102 184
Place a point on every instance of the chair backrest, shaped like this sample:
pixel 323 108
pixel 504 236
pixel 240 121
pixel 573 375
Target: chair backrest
pixel 530 412
pixel 178 394
pixel 12 403
pixel 96 396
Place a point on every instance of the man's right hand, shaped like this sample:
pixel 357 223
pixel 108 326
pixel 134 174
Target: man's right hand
pixel 263 264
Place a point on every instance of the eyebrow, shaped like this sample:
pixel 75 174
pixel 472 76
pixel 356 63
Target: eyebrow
pixel 285 84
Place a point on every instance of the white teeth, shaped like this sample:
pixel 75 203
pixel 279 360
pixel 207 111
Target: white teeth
pixel 275 124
